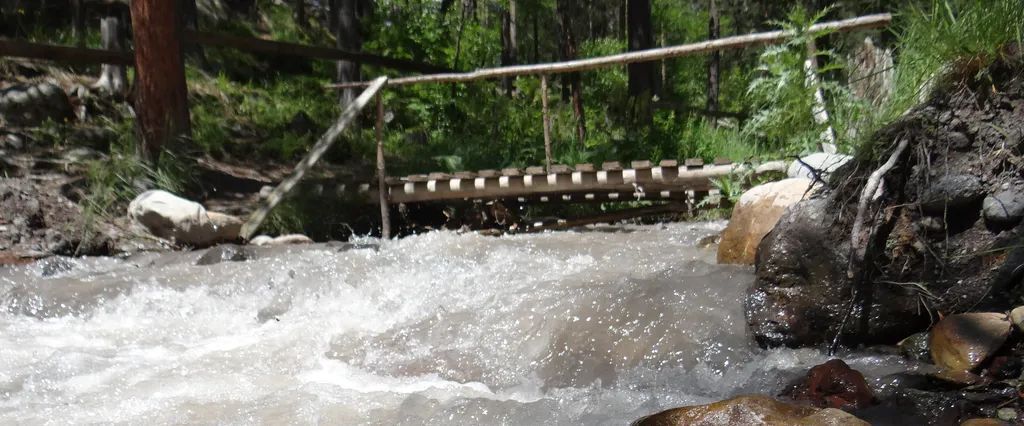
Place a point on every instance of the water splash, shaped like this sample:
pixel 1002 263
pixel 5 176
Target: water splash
pixel 595 327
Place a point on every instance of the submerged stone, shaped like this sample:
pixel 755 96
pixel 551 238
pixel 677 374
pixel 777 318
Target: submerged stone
pixel 750 410
pixel 833 385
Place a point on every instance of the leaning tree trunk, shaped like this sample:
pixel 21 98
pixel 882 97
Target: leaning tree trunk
pixel 565 10
pixel 348 38
pixel 161 98
pixel 714 62
pixel 113 78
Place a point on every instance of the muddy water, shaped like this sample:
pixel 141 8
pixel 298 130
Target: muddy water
pixel 596 327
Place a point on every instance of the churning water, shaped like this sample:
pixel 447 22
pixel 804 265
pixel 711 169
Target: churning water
pixel 597 327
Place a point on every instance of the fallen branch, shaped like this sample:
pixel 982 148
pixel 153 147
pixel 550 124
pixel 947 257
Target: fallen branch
pixel 257 217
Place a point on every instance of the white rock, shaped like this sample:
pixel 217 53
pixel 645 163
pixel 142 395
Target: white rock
pixel 261 240
pixel 168 216
pixel 755 215
pixel 825 164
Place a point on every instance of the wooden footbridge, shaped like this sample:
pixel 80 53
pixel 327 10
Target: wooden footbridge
pixel 641 180
pixel 668 180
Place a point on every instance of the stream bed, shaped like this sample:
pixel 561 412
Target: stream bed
pixel 595 327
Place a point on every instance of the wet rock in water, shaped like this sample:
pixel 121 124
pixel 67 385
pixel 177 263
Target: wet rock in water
pixel 33 104
pixel 168 216
pixel 1004 208
pixel 801 292
pixel 819 163
pixel 952 192
pixel 964 341
pixel 54 266
pixel 755 215
pixel 915 347
pixel 984 422
pixel 833 385
pixel 750 410
pixel 225 253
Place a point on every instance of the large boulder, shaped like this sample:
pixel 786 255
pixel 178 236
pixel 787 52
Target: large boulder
pixel 801 292
pixel 755 215
pixel 185 222
pixel 750 410
pixel 820 164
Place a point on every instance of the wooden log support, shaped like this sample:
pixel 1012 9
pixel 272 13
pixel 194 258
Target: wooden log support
pixel 546 118
pixel 68 55
pixel 382 186
pixel 325 142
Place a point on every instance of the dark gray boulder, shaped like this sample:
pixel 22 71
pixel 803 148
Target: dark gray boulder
pixel 952 192
pixel 226 253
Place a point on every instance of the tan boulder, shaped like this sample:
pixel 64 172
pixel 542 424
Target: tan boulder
pixel 756 214
pixel 185 222
pixel 750 410
pixel 964 341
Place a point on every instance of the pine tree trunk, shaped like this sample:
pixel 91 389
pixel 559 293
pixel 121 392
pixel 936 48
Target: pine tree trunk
pixel 714 62
pixel 348 38
pixel 161 97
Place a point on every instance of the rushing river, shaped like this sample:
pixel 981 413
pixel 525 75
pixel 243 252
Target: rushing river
pixel 597 327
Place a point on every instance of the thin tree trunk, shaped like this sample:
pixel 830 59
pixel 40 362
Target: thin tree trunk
pixel 161 98
pixel 78 21
pixel 509 47
pixel 642 81
pixel 348 38
pixel 566 9
pixel 113 78
pixel 300 14
pixel 714 62
pixel 546 115
pixel 332 15
pixel 536 37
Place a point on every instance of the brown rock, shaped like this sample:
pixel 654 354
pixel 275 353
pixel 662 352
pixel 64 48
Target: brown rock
pixel 750 410
pixel 964 341
pixel 984 422
pixel 755 215
pixel 834 385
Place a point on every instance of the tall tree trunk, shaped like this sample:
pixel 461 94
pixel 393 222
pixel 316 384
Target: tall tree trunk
pixel 113 78
pixel 566 9
pixel 509 45
pixel 161 98
pixel 536 37
pixel 348 38
pixel 714 62
pixel 642 80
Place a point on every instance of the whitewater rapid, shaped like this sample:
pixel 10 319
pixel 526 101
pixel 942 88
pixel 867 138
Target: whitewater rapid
pixel 595 327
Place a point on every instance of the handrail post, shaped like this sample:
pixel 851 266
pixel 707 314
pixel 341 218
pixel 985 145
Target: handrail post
pixel 382 185
pixel 547 120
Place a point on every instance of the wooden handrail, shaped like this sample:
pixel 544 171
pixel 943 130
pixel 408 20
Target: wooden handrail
pixel 863 22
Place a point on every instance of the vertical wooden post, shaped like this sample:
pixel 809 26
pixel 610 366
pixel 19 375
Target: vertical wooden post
pixel 819 110
pixel 547 119
pixel 382 185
